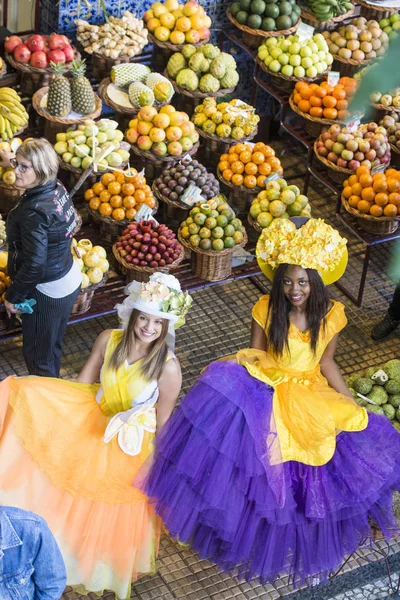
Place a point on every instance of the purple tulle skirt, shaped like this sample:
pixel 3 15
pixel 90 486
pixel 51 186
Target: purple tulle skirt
pixel 215 486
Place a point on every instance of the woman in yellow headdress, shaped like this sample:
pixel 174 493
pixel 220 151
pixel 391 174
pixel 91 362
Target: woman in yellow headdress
pixel 269 466
pixel 70 451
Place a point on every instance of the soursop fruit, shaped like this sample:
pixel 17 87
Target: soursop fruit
pixel 210 51
pixel 392 368
pixel 363 386
pixel 393 386
pixel 208 84
pixel 199 119
pixel 188 50
pixel 175 64
pixel 230 62
pixel 125 73
pixel 380 377
pixel 187 80
pixel 377 410
pixel 389 411
pixel 396 425
pixel 140 95
pixel 218 67
pixel 394 400
pixel 209 127
pixel 351 379
pixel 198 63
pixel 378 395
pixel 230 79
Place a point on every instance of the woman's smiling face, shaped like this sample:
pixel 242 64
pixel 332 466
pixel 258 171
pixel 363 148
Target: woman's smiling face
pixel 296 285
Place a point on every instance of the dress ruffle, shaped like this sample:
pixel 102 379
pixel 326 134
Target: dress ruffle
pixel 217 487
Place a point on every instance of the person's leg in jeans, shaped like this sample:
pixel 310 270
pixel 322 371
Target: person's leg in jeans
pixel 390 321
pixel 43 332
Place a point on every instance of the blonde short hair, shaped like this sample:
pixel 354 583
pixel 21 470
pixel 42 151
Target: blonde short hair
pixel 43 158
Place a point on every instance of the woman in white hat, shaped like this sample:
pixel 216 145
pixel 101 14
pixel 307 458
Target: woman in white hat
pixel 70 451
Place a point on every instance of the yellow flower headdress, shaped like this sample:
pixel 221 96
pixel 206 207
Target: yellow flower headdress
pixel 308 243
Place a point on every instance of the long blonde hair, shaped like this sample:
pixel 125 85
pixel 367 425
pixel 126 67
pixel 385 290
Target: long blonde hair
pixel 152 364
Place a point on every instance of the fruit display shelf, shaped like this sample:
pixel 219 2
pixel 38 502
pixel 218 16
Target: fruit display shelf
pixel 153 164
pixel 312 125
pixel 373 11
pixel 33 78
pixel 287 83
pixel 137 273
pixel 338 174
pixel 375 225
pixel 54 124
pixel 254 37
pixel 211 265
pixel 110 229
pixel 310 19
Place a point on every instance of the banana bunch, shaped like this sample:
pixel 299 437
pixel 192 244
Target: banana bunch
pixel 13 115
pixel 327 9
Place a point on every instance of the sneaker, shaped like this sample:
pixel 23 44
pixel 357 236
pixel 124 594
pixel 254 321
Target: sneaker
pixel 384 328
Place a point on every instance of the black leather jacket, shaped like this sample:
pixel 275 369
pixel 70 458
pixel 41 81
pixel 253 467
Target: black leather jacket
pixel 39 233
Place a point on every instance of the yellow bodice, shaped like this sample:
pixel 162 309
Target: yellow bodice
pixel 308 413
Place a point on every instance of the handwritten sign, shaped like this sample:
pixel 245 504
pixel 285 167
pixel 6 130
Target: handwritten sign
pixel 333 78
pixel 186 159
pixel 192 195
pixel 305 32
pixel 143 214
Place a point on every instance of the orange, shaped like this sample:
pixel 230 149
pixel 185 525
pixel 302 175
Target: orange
pixel 222 165
pixel 394 198
pixel 390 210
pixel 305 93
pixel 227 174
pixel 116 201
pixel 356 188
pixel 362 170
pixel 147 189
pixel 274 162
pixel 259 147
pixel 224 158
pixel 320 92
pixel 377 211
pixel 381 199
pixel 251 168
pixel 139 195
pixel 300 84
pixel 107 178
pixel 128 189
pixel 329 101
pixel 391 172
pixel 129 202
pixel 233 157
pixel 393 184
pixel 329 88
pixel 240 148
pixel 98 187
pixel 130 214
pixel 237 166
pixel 342 115
pixel 364 206
pixel 89 194
pixel 296 97
pixel 313 86
pixel 118 214
pixel 304 106
pixel 120 177
pixel 94 203
pixel 139 182
pixel 232 150
pixel 105 196
pixel 105 209
pixel 330 113
pixel 150 201
pixel 366 180
pixel 315 101
pixel 342 104
pixel 250 181
pixel 345 183
pixel 352 179
pixel 267 151
pixel 245 156
pixel 380 185
pixel 237 179
pixel 316 111
pixel 339 92
pixel 367 194
pixel 258 158
pixel 347 192
pixel 261 181
pixel 264 169
pixel 114 188
pixel 354 200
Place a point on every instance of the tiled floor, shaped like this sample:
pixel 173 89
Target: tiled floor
pixel 219 324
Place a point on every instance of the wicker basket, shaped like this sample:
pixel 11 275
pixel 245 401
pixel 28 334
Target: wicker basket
pixel 253 223
pixel 211 265
pixel 153 165
pixel 376 225
pixel 254 37
pixel 313 125
pixel 129 112
pixel 174 212
pixel 54 125
pixel 32 78
pixel 137 273
pixel 308 17
pixel 240 197
pixel 376 12
pixel 110 229
pixel 215 146
pixel 4 320
pixel 384 108
pixel 197 94
pixel 85 297
pixel 9 196
pixel 338 174
pixel 162 51
pixel 284 82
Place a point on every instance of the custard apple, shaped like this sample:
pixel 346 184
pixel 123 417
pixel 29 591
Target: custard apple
pixel 237 133
pixel 209 126
pixel 210 51
pixel 187 80
pixel 248 129
pixel 230 79
pixel 199 119
pixel 230 62
pixel 175 64
pixel 208 84
pixel 196 60
pixel 223 130
pixel 188 50
pixel 217 117
pixel 228 119
pixel 218 67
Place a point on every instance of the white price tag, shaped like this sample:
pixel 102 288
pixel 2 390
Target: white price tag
pixel 305 32
pixel 143 214
pixel 191 195
pixel 379 168
pixel 272 177
pixel 186 159
pixel 353 124
pixel 333 78
pixel 141 173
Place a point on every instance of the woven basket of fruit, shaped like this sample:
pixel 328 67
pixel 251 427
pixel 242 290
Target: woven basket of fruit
pixel 375 11
pixel 167 159
pixel 385 108
pixel 378 225
pixel 9 196
pixel 174 47
pixel 323 24
pixel 313 125
pixel 125 109
pixel 84 300
pixel 254 37
pixel 94 268
pixel 279 201
pixel 292 79
pixel 145 247
pixel 31 56
pixel 338 174
pixel 39 102
pixel 198 93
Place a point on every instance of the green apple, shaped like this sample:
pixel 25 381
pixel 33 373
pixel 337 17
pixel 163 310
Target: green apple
pixel 61 137
pixel 268 60
pixel 312 72
pixel 67 157
pixel 294 48
pixel 275 66
pixel 315 58
pixel 285 44
pixel 295 60
pixel 306 62
pixel 299 72
pixel 272 41
pixel 275 52
pixel 305 52
pixel 287 70
pixel 76 162
pixel 283 58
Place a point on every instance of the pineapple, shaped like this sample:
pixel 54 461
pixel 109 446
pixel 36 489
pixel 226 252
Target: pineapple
pixel 59 96
pixel 82 95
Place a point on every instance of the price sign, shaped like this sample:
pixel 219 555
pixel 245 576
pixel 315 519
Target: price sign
pixel 186 159
pixel 191 195
pixel 305 32
pixel 378 169
pixel 143 214
pixel 333 78
pixel 353 122
pixel 272 177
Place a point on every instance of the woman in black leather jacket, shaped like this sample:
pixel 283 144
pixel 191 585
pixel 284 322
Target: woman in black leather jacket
pixel 40 263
